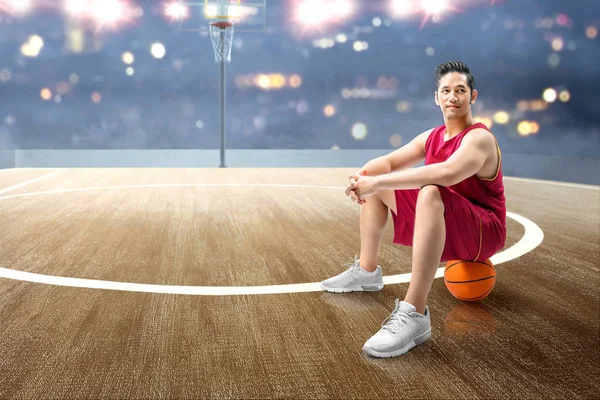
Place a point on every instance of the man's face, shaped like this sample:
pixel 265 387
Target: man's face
pixel 454 95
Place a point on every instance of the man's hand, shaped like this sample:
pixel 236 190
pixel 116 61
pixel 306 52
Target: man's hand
pixel 350 192
pixel 361 186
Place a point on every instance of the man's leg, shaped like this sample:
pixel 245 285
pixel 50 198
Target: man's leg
pixel 428 245
pixel 364 274
pixel 409 324
pixel 373 218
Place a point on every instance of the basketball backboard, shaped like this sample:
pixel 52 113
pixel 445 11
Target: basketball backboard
pixel 247 15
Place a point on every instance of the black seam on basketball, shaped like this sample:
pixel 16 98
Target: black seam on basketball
pixel 484 263
pixel 450 266
pixel 477 297
pixel 460 262
pixel 474 280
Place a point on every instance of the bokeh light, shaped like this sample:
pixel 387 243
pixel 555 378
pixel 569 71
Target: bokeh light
pixel 526 128
pixel 158 50
pixel 33 46
pixel 341 38
pixel 359 131
pixel 46 94
pixel 264 81
pixel 277 81
pixel 558 43
pixel 554 60
pixel 564 96
pixel 5 75
pixel 501 117
pixel 487 121
pixel 396 140
pixel 329 110
pixel 128 58
pixel 295 81
pixel 549 95
pixel 538 105
pixel 96 97
pixel 63 87
pixel 360 45
pixel 36 41
pixel 403 106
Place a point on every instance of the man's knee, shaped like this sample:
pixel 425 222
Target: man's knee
pixel 429 196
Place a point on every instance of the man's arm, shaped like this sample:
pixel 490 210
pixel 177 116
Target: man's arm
pixel 470 157
pixel 406 156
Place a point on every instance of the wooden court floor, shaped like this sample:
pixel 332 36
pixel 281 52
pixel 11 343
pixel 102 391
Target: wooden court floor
pixel 202 283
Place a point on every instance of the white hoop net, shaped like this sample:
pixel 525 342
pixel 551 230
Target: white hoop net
pixel 221 36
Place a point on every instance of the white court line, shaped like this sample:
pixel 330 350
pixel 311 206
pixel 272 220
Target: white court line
pixel 170 185
pixel 514 178
pixel 8 189
pixel 532 237
pixel 555 183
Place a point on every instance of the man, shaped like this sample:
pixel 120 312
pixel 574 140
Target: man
pixel 453 207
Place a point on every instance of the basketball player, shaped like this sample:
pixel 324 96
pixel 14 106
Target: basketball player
pixel 453 207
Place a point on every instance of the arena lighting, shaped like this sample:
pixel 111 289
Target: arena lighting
pixel 111 13
pixel 16 7
pixel 312 13
pixel 75 7
pixel 429 9
pixel 402 8
pixel 432 8
pixel 176 11
pixel 108 11
pixel 343 8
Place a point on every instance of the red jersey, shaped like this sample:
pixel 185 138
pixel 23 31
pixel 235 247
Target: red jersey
pixel 486 194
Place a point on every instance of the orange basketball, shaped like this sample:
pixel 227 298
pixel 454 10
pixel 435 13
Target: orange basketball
pixel 470 280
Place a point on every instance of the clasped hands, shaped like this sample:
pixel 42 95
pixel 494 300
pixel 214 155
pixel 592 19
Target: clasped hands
pixel 361 186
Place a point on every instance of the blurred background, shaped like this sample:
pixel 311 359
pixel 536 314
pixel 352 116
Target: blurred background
pixel 324 74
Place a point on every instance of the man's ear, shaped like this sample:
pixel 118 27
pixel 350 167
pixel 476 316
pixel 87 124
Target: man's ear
pixel 474 96
pixel 437 101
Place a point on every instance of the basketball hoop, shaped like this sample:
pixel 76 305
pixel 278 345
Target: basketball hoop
pixel 221 36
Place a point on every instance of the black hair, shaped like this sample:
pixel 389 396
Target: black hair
pixel 454 66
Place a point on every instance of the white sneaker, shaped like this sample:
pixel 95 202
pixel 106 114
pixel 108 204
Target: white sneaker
pixel 354 279
pixel 404 329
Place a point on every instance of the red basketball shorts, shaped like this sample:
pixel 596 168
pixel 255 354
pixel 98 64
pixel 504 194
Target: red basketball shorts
pixel 472 232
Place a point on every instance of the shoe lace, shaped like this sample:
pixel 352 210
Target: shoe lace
pixel 396 320
pixel 352 266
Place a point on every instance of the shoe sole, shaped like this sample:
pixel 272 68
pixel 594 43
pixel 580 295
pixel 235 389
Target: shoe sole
pixel 422 338
pixel 359 288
